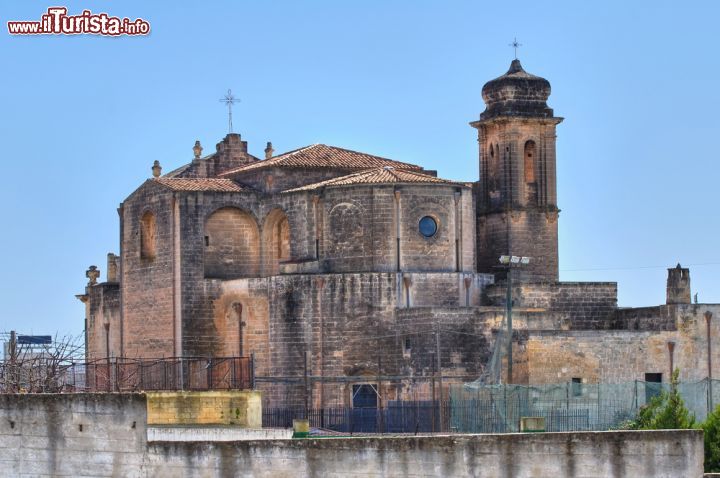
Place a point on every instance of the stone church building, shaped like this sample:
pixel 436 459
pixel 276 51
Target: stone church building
pixel 351 262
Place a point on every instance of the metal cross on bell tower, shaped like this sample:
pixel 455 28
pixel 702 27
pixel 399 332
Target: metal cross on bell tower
pixel 515 46
pixel 229 100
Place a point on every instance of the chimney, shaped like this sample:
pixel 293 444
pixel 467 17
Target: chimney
pixel 678 285
pixel 112 267
pixel 269 150
pixel 231 153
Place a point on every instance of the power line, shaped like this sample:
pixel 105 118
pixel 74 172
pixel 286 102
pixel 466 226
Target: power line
pixel 638 267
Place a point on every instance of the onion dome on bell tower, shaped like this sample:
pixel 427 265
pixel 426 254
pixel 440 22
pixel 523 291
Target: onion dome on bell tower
pixel 516 93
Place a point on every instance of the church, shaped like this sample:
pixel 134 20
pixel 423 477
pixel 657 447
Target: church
pixel 345 266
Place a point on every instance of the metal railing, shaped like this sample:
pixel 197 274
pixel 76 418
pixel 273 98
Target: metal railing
pixel 130 375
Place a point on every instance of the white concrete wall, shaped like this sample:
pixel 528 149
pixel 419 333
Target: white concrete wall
pixel 41 435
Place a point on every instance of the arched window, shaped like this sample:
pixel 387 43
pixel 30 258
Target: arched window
pixel 493 185
pixel 531 189
pixel 232 245
pixel 276 238
pixel 148 233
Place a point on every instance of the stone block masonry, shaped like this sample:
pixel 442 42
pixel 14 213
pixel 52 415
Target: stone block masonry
pixel 240 408
pixel 105 435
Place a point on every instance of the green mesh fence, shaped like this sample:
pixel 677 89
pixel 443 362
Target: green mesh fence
pixel 482 408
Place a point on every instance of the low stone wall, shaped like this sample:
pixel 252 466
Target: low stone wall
pixel 601 454
pixel 236 407
pixel 106 435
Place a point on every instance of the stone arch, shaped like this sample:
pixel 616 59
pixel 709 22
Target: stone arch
pixel 231 244
pixel 276 240
pixel 529 168
pixel 148 236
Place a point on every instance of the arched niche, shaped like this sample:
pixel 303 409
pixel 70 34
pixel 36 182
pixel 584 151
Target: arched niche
pixel 231 245
pixel 276 240
pixel 148 236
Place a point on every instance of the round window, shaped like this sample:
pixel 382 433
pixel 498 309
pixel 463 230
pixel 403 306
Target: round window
pixel 428 226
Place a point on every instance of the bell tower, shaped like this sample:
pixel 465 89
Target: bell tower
pixel 516 197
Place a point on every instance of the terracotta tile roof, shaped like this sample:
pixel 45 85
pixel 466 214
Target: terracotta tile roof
pixel 384 175
pixel 323 156
pixel 200 184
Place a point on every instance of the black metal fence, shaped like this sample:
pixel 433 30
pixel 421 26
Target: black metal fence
pixel 396 417
pixel 176 373
pixel 128 375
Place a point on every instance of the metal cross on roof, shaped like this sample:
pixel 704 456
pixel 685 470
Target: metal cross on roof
pixel 229 100
pixel 515 46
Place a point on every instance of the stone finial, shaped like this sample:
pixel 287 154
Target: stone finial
pixel 92 274
pixel 269 150
pixel 156 169
pixel 197 149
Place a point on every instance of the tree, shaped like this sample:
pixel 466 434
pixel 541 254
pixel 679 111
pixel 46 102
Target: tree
pixel 40 367
pixel 711 427
pixel 667 411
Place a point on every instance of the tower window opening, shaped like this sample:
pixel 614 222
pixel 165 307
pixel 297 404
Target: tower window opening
pixel 531 186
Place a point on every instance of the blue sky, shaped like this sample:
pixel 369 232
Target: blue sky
pixel 84 117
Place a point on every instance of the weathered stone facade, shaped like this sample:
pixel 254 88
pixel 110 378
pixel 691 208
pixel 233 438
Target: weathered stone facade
pixel 361 263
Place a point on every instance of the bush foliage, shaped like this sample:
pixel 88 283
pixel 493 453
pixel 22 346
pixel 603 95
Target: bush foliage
pixel 666 411
pixel 711 426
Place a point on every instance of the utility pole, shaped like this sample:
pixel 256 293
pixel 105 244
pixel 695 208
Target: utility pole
pixel 508 308
pixel 509 262
pixel 440 378
pixel 13 347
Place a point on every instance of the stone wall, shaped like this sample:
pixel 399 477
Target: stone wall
pixel 102 308
pixel 240 408
pixel 106 435
pixel 579 305
pixel 148 292
pixel 612 356
pixel 344 322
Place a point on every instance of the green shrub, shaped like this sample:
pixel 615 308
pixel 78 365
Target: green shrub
pixel 667 411
pixel 711 427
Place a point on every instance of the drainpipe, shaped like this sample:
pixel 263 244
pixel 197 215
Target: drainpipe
pixel 397 229
pixel 671 351
pixel 708 318
pixel 315 201
pixel 458 226
pixel 321 352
